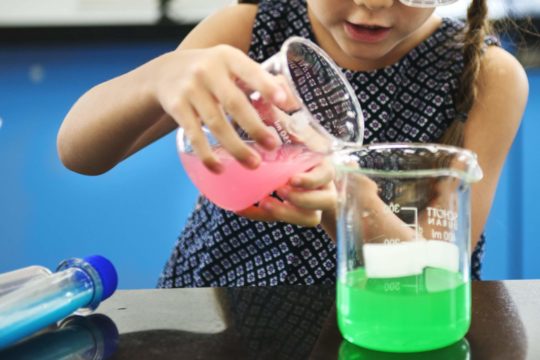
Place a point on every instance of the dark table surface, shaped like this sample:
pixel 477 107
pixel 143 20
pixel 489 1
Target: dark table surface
pixel 284 322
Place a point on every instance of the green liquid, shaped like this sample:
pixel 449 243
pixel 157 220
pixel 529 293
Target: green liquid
pixel 406 314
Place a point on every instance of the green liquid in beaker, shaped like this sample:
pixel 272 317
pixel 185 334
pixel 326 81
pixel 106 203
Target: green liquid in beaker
pixel 406 314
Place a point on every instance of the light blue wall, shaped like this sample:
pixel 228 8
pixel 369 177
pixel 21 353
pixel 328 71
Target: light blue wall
pixel 529 195
pixel 131 215
pixel 134 213
pixel 513 226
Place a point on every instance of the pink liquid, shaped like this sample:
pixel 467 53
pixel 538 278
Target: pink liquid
pixel 237 188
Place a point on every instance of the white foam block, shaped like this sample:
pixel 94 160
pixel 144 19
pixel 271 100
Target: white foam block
pixel 442 255
pixel 409 258
pixel 435 281
pixel 394 260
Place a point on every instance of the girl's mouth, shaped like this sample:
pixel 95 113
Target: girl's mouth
pixel 366 33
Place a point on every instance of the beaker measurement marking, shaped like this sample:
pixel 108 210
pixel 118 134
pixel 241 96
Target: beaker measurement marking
pixel 391 286
pixel 442 235
pixel 281 131
pixel 397 209
pixel 414 224
pixel 445 218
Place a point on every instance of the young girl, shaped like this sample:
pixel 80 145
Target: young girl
pixel 419 78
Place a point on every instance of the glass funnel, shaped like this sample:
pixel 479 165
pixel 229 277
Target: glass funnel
pixel 404 245
pixel 325 115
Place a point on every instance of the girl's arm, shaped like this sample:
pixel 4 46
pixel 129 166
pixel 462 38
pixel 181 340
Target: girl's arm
pixel 119 117
pixel 492 125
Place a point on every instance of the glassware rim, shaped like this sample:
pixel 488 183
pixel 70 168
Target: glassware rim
pixel 470 158
pixel 282 56
pixel 422 4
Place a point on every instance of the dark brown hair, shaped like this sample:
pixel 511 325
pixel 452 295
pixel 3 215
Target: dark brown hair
pixel 473 42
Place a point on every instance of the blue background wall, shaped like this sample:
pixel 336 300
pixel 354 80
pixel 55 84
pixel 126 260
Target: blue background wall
pixel 131 215
pixel 134 213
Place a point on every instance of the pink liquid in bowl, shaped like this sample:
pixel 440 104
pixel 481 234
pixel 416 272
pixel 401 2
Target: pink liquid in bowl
pixel 237 187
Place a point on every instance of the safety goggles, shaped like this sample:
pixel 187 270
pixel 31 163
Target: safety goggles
pixel 427 3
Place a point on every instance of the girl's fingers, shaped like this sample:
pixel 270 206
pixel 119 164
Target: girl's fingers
pixel 187 118
pixel 257 213
pixel 254 76
pixel 318 176
pixel 292 102
pixel 287 212
pixel 236 104
pixel 191 126
pixel 212 115
pixel 271 210
pixel 324 198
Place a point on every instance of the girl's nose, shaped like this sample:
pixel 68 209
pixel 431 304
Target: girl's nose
pixel 374 4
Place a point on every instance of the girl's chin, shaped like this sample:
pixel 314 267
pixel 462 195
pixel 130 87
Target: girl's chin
pixel 367 58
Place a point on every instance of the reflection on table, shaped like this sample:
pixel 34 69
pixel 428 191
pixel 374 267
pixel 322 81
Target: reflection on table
pixel 284 322
pixel 94 337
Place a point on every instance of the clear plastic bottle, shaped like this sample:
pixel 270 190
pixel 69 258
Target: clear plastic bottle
pixel 41 302
pixel 14 279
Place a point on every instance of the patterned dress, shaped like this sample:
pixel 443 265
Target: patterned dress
pixel 409 101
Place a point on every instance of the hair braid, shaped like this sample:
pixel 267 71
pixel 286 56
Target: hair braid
pixel 473 41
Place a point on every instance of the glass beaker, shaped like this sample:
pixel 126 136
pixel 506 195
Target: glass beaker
pixel 404 245
pixel 326 114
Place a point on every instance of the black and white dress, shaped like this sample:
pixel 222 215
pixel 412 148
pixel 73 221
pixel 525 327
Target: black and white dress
pixel 409 101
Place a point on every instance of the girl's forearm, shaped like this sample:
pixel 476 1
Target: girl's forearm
pixel 105 123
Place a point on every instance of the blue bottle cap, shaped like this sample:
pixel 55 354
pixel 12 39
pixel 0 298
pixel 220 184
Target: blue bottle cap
pixel 107 274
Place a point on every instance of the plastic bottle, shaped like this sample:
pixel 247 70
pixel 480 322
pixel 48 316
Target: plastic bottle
pixel 41 302
pixel 14 279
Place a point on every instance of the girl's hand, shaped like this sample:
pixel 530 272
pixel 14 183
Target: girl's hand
pixel 199 87
pixel 307 199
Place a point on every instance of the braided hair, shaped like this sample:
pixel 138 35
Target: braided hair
pixel 473 41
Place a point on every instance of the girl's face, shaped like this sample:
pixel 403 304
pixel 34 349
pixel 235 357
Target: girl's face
pixel 369 34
